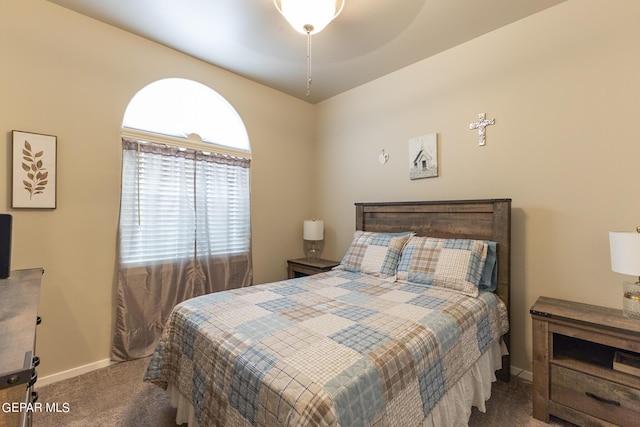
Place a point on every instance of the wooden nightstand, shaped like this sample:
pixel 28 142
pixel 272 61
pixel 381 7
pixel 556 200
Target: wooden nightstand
pixel 574 346
pixel 305 267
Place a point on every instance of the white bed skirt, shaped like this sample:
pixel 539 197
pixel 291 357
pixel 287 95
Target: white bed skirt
pixel 453 410
pixel 473 389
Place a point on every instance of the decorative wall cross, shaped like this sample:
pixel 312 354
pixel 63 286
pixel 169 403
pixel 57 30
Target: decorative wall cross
pixel 482 123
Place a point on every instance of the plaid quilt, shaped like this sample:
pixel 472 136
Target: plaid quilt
pixel 333 349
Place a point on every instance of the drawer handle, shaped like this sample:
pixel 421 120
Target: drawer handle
pixel 34 378
pixel 602 399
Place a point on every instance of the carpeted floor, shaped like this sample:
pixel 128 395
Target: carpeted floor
pixel 116 396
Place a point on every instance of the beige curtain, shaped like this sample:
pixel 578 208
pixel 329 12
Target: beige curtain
pixel 147 291
pixel 146 296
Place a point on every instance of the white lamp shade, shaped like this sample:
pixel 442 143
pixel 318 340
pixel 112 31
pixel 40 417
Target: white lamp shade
pixel 313 230
pixel 317 13
pixel 625 252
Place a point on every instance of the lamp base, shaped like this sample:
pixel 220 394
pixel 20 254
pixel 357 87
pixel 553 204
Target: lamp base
pixel 313 248
pixel 631 300
pixel 313 254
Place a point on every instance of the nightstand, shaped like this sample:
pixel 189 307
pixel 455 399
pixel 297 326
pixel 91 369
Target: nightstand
pixel 305 267
pixel 574 348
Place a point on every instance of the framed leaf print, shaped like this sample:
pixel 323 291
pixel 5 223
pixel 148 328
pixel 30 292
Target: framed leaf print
pixel 34 171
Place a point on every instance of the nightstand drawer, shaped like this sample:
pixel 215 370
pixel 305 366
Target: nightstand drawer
pixel 600 398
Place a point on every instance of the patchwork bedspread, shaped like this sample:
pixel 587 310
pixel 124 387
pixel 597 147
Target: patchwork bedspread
pixel 334 349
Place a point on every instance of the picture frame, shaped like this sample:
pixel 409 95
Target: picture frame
pixel 423 157
pixel 34 170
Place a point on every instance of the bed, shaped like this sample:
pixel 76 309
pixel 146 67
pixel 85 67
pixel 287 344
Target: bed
pixel 404 332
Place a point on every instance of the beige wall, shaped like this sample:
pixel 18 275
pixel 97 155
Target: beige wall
pixel 563 87
pixel 70 76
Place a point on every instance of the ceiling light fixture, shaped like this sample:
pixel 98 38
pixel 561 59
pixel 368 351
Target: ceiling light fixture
pixel 309 17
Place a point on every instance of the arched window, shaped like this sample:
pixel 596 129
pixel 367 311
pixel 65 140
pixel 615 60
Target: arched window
pixel 179 108
pixel 185 221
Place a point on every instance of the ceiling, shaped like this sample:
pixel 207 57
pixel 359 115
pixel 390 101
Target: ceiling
pixel 369 39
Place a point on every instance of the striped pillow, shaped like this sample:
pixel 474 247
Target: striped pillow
pixel 454 264
pixel 375 253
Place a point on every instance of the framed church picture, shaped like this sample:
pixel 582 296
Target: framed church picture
pixel 423 156
pixel 33 170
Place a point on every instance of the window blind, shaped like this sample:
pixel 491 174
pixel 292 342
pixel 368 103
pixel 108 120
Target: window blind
pixel 179 203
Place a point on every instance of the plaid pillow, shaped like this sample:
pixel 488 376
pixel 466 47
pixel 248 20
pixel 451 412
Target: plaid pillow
pixel 454 264
pixel 375 253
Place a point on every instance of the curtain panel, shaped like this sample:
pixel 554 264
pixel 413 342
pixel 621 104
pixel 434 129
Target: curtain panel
pixel 184 231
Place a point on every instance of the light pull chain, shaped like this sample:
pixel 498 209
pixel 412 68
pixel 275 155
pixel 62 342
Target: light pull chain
pixel 308 28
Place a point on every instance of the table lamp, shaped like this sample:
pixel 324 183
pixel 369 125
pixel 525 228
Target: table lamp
pixel 313 235
pixel 625 259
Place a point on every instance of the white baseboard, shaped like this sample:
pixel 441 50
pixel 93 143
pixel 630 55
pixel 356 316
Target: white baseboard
pixel 521 373
pixel 64 375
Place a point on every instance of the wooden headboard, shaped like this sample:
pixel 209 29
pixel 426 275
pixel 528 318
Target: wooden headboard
pixel 488 219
